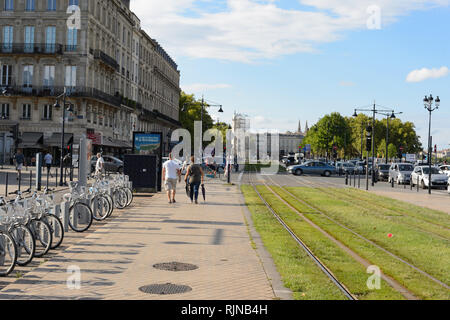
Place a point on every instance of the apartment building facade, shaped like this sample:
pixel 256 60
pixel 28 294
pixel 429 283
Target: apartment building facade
pixel 117 78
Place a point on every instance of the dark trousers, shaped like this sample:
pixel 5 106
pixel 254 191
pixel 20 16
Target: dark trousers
pixel 195 186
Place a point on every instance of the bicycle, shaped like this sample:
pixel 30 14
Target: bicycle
pixel 80 214
pixel 15 220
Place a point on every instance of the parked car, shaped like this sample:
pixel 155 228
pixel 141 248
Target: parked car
pixel 400 173
pixel 112 164
pixel 445 169
pixel 383 172
pixel 312 167
pixel 421 174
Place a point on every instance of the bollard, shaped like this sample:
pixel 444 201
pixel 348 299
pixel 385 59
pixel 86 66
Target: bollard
pixel 56 179
pixel 31 180
pixel 48 176
pixel 392 183
pixel 417 184
pixel 411 183
pixel 354 179
pixel 346 178
pixel 64 214
pixel 359 180
pixel 20 178
pixel 6 187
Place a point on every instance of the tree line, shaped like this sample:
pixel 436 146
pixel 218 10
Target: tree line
pixel 345 137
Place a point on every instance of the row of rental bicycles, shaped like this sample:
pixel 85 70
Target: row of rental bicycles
pixel 29 228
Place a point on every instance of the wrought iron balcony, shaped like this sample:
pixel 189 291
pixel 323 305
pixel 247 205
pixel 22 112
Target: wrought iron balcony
pixel 31 48
pixel 106 59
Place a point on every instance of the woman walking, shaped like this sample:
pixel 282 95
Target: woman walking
pixel 196 177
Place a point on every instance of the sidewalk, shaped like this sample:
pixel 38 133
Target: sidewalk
pixel 117 258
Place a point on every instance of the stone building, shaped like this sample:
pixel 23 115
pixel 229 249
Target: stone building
pixel 116 77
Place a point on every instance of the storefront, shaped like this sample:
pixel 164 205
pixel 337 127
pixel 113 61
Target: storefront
pixel 53 145
pixel 31 143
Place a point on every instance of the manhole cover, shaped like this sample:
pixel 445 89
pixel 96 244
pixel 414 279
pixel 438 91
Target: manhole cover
pixel 163 289
pixel 175 266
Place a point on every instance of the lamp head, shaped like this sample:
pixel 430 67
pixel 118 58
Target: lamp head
pixel 393 115
pixel 56 105
pixel 221 110
pixel 355 114
pixel 438 102
pixel 70 108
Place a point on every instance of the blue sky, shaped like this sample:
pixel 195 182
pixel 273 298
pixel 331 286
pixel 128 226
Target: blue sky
pixel 287 60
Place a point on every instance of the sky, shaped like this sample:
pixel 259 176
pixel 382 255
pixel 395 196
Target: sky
pixel 285 61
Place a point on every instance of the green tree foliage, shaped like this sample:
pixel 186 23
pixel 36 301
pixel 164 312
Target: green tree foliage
pixel 349 135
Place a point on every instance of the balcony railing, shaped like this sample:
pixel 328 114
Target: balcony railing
pixel 54 91
pixel 31 48
pixel 106 59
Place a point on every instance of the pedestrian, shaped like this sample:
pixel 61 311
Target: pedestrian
pixel 171 173
pixel 19 159
pixel 196 177
pixel 48 159
pixel 99 166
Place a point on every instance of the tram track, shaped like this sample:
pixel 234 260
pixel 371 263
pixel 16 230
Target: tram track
pixel 310 253
pixel 432 278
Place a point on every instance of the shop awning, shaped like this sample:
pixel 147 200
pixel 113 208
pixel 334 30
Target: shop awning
pixel 31 140
pixel 114 143
pixel 55 140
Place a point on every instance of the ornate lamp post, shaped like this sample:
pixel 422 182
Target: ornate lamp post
pixel 428 103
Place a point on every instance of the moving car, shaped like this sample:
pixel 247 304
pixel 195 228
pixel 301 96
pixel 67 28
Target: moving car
pixel 312 167
pixel 400 173
pixel 112 164
pixel 421 174
pixel 383 172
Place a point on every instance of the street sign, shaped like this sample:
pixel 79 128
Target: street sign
pixel 410 158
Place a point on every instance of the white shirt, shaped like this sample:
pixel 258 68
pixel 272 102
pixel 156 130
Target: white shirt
pixel 171 168
pixel 99 164
pixel 48 158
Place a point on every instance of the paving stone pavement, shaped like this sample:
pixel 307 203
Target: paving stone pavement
pixel 117 257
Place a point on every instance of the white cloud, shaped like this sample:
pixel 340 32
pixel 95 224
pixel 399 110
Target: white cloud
pixel 202 87
pixel 347 84
pixel 249 30
pixel 424 74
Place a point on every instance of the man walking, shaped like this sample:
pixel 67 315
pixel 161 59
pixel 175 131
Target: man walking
pixel 171 173
pixel 99 166
pixel 19 159
pixel 48 162
pixel 196 177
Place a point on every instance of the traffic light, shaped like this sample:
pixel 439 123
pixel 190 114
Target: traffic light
pixel 369 138
pixel 435 148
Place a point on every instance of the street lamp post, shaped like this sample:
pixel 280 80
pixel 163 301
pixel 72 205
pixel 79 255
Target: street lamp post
pixel 428 103
pixel 57 106
pixel 389 116
pixel 374 112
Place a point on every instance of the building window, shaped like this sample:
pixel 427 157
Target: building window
pixel 51 5
pixel 6 75
pixel 28 76
pixel 8 38
pixel 5 111
pixel 50 39
pixel 47 112
pixel 73 2
pixel 9 5
pixel 71 78
pixel 29 5
pixel 49 76
pixel 26 112
pixel 72 39
pixel 29 39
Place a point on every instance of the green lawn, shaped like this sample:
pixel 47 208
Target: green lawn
pixel 418 247
pixel 345 268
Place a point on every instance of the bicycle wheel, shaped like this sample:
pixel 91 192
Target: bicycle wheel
pixel 111 204
pixel 80 217
pixel 120 198
pixel 8 254
pixel 100 207
pixel 25 244
pixel 57 229
pixel 42 235
pixel 129 196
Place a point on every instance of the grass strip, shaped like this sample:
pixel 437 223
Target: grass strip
pixel 349 271
pixel 390 213
pixel 299 273
pixel 373 229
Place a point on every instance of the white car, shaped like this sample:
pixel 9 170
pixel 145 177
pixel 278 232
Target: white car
pixel 445 169
pixel 421 175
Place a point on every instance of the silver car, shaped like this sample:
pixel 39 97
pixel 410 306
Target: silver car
pixel 400 173
pixel 445 169
pixel 421 176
